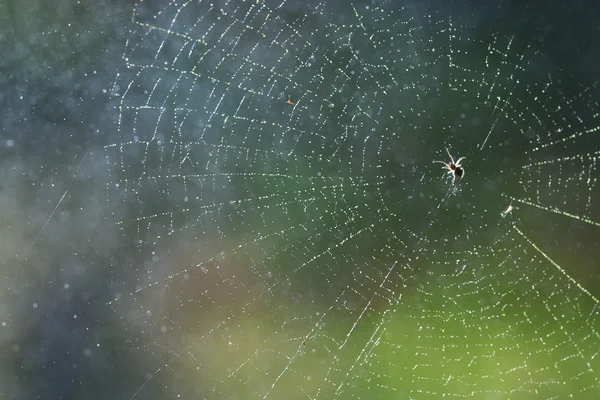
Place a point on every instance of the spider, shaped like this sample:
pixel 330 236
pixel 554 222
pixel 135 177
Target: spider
pixel 508 210
pixel 453 168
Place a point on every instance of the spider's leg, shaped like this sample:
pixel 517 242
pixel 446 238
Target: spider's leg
pixel 445 165
pixel 459 160
pixel 449 155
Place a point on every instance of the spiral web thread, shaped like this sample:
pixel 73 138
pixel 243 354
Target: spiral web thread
pixel 273 169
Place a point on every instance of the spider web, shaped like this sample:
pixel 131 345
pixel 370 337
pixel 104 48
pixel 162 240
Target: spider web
pixel 286 233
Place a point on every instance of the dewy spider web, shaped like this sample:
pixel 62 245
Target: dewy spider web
pixel 279 201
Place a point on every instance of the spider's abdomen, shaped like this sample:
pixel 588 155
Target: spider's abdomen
pixel 458 171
